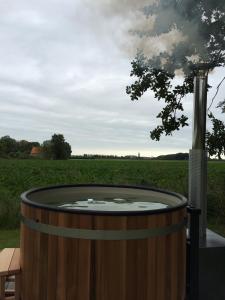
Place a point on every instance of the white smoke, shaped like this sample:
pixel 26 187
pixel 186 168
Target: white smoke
pixel 132 29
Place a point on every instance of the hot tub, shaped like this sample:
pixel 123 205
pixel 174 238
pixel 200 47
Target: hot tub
pixel 98 242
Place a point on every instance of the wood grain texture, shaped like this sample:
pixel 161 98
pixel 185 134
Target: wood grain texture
pixel 17 287
pixel 5 260
pixel 69 268
pixel 14 267
pixel 2 287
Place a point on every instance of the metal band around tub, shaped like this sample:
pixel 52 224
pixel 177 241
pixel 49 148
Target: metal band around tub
pixel 96 234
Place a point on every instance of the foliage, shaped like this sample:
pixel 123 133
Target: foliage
pixel 9 147
pixel 216 139
pixel 47 149
pixel 202 46
pixel 176 156
pixel 60 148
pixel 9 238
pixel 159 81
pixel 222 105
pixel 57 148
pixel 9 208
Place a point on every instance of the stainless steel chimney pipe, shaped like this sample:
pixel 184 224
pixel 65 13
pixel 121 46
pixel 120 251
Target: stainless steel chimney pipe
pixel 198 154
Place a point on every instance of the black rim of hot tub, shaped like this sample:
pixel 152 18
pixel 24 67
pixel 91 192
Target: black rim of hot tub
pixel 26 200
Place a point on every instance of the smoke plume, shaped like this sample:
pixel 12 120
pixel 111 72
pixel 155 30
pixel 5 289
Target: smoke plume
pixel 182 32
pixel 133 26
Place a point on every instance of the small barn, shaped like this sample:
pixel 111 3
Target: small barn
pixel 36 152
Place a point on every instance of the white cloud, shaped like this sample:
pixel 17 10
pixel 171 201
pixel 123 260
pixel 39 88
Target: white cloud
pixel 64 68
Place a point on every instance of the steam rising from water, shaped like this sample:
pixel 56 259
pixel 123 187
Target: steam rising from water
pixel 133 26
pixel 166 27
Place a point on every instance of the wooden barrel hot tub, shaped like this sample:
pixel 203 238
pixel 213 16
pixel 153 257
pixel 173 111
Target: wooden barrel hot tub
pixel 95 242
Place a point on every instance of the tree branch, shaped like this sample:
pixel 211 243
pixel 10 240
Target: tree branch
pixel 217 90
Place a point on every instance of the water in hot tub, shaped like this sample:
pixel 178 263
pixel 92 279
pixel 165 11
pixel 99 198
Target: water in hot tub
pixel 113 204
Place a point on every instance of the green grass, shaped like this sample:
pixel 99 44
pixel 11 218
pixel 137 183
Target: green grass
pixel 9 238
pixel 17 176
pixel 218 228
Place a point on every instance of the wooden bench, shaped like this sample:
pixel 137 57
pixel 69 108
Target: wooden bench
pixel 10 270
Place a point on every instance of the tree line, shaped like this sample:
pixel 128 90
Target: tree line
pixel 55 148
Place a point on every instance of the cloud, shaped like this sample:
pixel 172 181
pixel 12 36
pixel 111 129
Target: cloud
pixel 64 69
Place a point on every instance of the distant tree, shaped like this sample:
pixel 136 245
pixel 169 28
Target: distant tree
pixel 176 156
pixel 7 146
pixel 60 148
pixel 57 148
pixel 24 146
pixel 35 144
pixel 216 138
pixel 47 149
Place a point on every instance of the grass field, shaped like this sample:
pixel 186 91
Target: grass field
pixel 17 176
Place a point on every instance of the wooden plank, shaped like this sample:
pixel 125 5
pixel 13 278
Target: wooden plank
pixel 26 237
pixel 109 263
pixel 2 287
pixel 73 261
pixel 161 284
pixel 83 262
pixel 52 259
pixel 17 287
pixel 42 264
pixel 34 247
pixel 14 267
pixel 11 278
pixel 10 293
pixel 5 260
pixel 151 260
pixel 61 261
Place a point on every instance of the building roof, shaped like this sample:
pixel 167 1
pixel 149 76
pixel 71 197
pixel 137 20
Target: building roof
pixel 36 150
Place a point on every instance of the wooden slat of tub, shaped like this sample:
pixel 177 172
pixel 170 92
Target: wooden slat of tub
pixel 22 241
pixel 168 261
pixel 110 266
pixel 43 258
pixel 52 259
pixel 181 236
pixel 29 258
pixel 29 283
pixel 142 266
pixel 34 282
pixel 72 260
pixel 84 262
pixel 131 265
pixel 61 262
pixel 132 270
pixel 161 260
pixel 26 236
pixel 175 263
pixel 142 256
pixel 151 261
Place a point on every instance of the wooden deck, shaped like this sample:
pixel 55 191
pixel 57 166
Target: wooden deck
pixel 10 274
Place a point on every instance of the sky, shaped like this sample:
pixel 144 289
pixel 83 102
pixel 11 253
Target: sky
pixel 64 68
